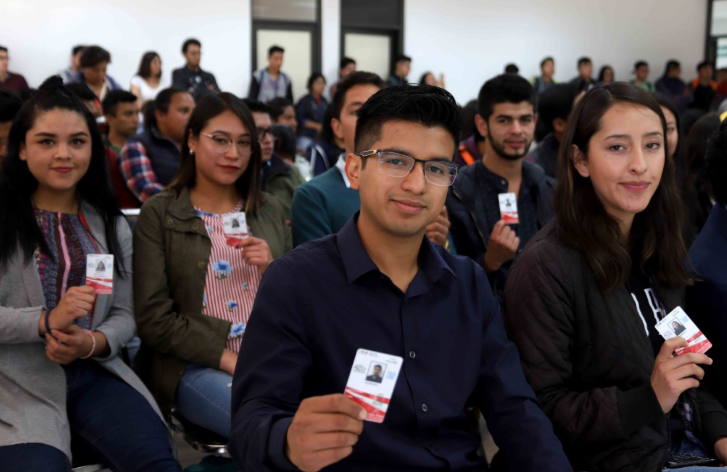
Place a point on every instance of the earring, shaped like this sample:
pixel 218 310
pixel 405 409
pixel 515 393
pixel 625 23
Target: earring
pixel 191 152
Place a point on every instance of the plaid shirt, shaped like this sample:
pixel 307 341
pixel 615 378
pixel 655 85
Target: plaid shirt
pixel 684 409
pixel 137 171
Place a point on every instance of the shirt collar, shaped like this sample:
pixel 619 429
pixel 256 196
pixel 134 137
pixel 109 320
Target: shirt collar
pixel 341 166
pixel 357 262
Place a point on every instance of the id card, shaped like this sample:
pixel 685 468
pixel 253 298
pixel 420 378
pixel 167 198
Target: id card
pixel 677 323
pixel 235 226
pixel 372 381
pixel 508 208
pixel 100 273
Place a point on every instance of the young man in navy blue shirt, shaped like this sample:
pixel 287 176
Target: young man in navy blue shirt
pixel 381 285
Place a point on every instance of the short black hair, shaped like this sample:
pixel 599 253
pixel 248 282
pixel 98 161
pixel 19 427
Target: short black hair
pixel 583 61
pixel 703 64
pixel 273 49
pixel 504 89
pixel 81 91
pixel 77 49
pixel 313 77
pixel 377 365
pixel 345 61
pixel 671 64
pixel 555 102
pixel 423 104
pixel 3 48
pixel 512 69
pixel 715 168
pixel 94 55
pixel 10 104
pixel 285 141
pixel 256 106
pixel 542 63
pixel 640 64
pixel 402 58
pixel 357 78
pixel 112 99
pixel 277 107
pixel 190 42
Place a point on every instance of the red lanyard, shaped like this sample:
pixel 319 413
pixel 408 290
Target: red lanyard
pixel 98 251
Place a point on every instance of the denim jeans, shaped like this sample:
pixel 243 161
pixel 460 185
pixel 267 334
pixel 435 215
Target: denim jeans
pixel 204 397
pixel 686 447
pixel 33 457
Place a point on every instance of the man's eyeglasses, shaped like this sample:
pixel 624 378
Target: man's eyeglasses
pixel 221 144
pixel 262 133
pixel 395 164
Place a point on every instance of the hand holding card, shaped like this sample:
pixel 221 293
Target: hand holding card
pixel 677 323
pixel 100 273
pixel 673 375
pixel 235 226
pixel 372 381
pixel 323 431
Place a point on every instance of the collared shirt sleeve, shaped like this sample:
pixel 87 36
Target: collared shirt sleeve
pixel 270 373
pixel 138 173
pixel 513 414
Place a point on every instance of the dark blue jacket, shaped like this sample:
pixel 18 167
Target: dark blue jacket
pixel 469 226
pixel 162 152
pixel 707 298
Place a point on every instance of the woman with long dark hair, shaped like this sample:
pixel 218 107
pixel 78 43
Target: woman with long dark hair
pixel 584 297
pixel 323 153
pixel 195 281
pixel 310 110
pixel 147 83
pixel 60 368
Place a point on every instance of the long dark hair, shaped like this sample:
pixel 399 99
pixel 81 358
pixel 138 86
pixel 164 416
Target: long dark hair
pixel 680 152
pixel 209 107
pixel 18 225
pixel 145 65
pixel 656 242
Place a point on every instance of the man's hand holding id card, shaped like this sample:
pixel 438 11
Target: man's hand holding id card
pixel 372 381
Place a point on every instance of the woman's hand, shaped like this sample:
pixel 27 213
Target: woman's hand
pixel 76 344
pixel 256 252
pixel 76 303
pixel 673 375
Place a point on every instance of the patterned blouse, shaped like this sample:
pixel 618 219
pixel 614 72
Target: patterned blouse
pixel 65 266
pixel 230 284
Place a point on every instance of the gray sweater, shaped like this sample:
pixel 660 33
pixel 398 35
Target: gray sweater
pixel 32 388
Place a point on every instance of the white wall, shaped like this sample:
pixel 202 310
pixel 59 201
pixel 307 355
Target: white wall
pixel 472 40
pixel 469 40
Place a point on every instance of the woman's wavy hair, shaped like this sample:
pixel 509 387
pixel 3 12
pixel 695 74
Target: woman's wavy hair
pixel 655 241
pixel 209 107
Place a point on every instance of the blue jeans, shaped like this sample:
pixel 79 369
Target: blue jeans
pixel 116 421
pixel 204 397
pixel 691 448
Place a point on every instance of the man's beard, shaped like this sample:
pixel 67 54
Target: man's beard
pixel 499 149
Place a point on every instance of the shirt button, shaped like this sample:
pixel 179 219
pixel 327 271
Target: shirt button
pixel 195 227
pixel 200 265
pixel 425 408
pixel 412 354
pixel 504 183
pixel 170 222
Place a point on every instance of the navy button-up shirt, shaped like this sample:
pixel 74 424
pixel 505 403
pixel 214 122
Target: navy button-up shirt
pixel 321 302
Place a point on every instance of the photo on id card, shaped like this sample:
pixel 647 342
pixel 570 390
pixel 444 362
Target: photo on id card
pixel 100 273
pixel 678 323
pixel 508 208
pixel 371 382
pixel 235 226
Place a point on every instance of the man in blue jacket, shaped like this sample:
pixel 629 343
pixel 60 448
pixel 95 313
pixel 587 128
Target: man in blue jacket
pixel 381 285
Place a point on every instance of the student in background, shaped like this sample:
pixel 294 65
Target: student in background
pixel 512 69
pixel 66 74
pixel 472 147
pixel 346 68
pixel 10 82
pixel 428 78
pixel 584 297
pixel 606 75
pixel 323 153
pixel 547 71
pixel 88 98
pixel 61 343
pixel 193 291
pixel 673 87
pixel 149 159
pixel 507 120
pixel 699 191
pixel 704 88
pixel 147 83
pixel 191 77
pixel 641 74
pixel 554 106
pixel 381 284
pixel 271 82
pixel 402 67
pixel 93 64
pixel 282 112
pixel 287 148
pixel 585 79
pixel 10 104
pixel 121 110
pixel 310 110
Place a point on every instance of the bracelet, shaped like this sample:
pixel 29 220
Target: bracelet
pixel 47 323
pixel 93 347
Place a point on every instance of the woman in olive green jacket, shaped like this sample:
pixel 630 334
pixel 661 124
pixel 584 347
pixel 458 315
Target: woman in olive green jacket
pixel 194 280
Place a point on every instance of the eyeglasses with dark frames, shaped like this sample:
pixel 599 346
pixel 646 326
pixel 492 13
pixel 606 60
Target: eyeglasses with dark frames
pixel 395 164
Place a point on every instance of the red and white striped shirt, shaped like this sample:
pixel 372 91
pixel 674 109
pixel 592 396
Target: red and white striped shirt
pixel 230 284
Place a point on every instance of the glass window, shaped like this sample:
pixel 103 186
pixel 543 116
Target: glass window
pixel 719 18
pixel 304 11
